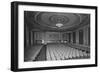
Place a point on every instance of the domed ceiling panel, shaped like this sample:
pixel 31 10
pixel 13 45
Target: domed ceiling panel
pixel 54 20
pixel 51 19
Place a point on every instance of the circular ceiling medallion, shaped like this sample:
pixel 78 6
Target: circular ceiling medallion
pixel 58 19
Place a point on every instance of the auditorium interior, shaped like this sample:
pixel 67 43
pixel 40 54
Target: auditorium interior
pixel 51 36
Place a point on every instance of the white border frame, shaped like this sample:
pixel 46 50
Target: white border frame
pixel 22 64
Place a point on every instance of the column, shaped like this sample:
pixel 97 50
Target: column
pixel 27 36
pixel 71 37
pixel 88 36
pixel 67 37
pixel 85 36
pixel 31 38
pixel 77 37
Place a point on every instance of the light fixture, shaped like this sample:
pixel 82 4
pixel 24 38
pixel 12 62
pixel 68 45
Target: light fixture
pixel 59 24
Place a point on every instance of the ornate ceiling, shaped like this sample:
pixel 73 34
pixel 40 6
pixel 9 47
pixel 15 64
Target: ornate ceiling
pixel 48 21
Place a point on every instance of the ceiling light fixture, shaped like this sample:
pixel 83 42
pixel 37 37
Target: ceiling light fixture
pixel 59 24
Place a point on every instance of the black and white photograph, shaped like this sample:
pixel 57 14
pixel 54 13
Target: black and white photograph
pixel 52 36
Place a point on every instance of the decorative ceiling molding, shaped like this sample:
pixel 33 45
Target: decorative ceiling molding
pixel 47 21
pixel 50 19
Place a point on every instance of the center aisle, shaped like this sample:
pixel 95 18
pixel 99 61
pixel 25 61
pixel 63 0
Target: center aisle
pixel 42 54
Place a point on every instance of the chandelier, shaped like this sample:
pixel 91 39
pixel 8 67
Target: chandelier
pixel 59 24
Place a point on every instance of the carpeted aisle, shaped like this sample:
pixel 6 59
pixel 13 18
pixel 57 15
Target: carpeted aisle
pixel 42 54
